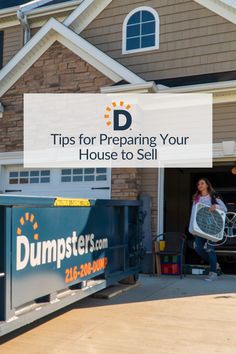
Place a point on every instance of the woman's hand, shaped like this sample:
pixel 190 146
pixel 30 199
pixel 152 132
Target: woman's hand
pixel 213 207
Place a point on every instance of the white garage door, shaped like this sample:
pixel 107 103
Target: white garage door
pixel 93 183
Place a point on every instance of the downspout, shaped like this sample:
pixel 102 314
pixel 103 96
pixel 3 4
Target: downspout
pixel 25 25
pixel 22 17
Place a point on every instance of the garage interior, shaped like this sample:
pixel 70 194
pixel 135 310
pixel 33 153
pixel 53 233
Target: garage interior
pixel 180 185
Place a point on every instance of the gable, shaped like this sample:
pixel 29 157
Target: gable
pixel 59 70
pixel 44 38
pixel 193 39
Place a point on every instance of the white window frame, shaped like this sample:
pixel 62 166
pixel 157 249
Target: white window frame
pixel 29 170
pixel 157 33
pixel 108 176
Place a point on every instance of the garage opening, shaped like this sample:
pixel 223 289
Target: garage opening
pixel 180 185
pixel 93 183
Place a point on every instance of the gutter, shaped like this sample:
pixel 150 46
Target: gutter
pixel 24 24
pixel 212 87
pixel 22 16
pixel 151 86
pixel 11 11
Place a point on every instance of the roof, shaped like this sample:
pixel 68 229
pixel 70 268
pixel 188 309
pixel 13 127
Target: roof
pixel 198 79
pixel 191 80
pixel 4 4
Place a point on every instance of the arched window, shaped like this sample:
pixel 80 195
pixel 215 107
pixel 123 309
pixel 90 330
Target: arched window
pixel 141 30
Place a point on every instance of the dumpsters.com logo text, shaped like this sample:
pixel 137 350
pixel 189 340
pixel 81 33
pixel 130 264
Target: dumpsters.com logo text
pixel 36 253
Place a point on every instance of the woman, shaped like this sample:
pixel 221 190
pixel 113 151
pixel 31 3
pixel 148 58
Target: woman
pixel 205 194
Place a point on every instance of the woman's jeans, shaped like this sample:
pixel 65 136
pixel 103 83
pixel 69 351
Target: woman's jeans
pixel 208 253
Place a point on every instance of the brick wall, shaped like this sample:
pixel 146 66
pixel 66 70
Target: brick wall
pixel 126 183
pixel 57 70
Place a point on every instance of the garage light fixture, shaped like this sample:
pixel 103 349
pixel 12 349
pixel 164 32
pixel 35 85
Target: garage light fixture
pixel 233 170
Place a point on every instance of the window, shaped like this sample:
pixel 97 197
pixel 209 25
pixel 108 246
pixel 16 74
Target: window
pixel 1 48
pixel 141 30
pixel 83 175
pixel 29 177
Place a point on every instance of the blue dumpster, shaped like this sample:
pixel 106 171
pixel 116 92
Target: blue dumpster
pixel 55 251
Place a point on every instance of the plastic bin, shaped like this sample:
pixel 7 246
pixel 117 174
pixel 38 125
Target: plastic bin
pixel 170 269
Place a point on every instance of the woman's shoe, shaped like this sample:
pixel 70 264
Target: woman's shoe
pixel 212 277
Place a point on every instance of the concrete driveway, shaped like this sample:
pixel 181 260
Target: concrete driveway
pixel 161 316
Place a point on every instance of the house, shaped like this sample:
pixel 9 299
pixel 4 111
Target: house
pixel 115 46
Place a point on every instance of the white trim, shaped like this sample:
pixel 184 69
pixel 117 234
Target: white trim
pixel 81 17
pixel 39 14
pixel 11 158
pixel 78 12
pixel 160 200
pixel 29 6
pixel 53 30
pixel 220 8
pixel 157 34
pixel 51 9
pixel 224 92
pixel 144 87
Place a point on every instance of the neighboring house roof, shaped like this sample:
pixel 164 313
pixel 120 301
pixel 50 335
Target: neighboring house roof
pixel 4 4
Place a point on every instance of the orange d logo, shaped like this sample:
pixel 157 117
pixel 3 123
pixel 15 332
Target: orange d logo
pixel 122 119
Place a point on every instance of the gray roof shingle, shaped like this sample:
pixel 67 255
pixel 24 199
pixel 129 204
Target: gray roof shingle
pixel 4 4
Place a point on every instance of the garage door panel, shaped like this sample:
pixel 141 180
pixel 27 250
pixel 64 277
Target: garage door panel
pixel 91 183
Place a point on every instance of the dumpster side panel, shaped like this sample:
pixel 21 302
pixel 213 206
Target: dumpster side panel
pixel 53 248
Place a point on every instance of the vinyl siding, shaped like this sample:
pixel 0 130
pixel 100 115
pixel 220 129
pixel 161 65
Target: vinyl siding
pixel 224 127
pixel 13 36
pixel 193 40
pixel 13 40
